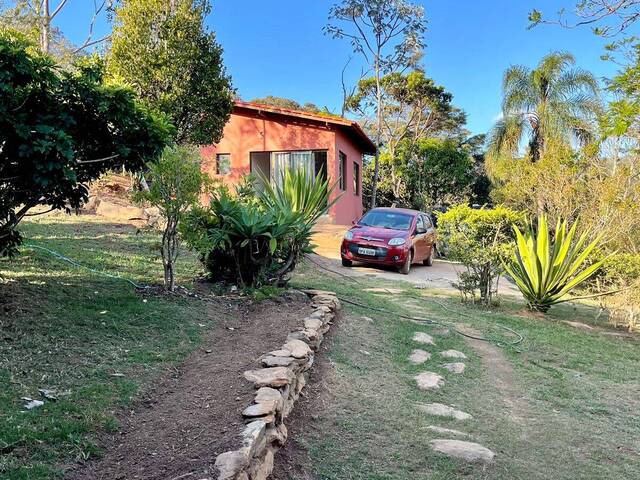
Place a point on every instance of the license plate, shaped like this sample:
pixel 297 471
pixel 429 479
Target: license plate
pixel 367 251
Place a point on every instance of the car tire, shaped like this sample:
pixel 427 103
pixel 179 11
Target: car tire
pixel 346 263
pixel 432 254
pixel 406 266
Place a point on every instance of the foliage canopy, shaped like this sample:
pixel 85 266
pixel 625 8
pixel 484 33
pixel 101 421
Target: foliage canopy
pixel 164 52
pixel 61 130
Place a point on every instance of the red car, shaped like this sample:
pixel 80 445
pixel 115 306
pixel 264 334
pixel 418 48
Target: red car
pixel 395 237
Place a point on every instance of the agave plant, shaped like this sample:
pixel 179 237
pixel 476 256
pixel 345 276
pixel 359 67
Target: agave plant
pixel 546 269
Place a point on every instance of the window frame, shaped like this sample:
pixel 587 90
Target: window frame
pixel 218 155
pixel 356 179
pixel 342 171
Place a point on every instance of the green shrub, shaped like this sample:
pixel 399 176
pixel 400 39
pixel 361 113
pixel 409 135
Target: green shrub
pixel 479 239
pixel 255 240
pixel 176 183
pixel 546 269
pixel 621 274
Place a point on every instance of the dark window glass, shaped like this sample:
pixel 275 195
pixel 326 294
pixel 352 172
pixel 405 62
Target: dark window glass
pixel 356 178
pixel 342 171
pixel 387 219
pixel 223 163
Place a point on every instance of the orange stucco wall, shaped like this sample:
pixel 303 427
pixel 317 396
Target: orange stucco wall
pixel 248 132
pixel 349 207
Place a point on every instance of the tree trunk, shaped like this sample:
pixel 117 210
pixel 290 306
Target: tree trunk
pixel 45 26
pixel 376 167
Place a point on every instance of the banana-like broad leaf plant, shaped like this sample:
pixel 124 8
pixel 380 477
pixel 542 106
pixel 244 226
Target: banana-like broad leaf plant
pixel 546 269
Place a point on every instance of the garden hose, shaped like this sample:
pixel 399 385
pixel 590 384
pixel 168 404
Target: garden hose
pixel 77 264
pixel 417 319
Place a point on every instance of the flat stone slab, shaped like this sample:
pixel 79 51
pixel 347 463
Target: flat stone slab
pixel 298 348
pixel 441 410
pixel 429 381
pixel 424 338
pixel 419 356
pixel 455 367
pixel 447 431
pixel 452 354
pixel 467 451
pixel 269 377
pixel 274 361
pixel 265 407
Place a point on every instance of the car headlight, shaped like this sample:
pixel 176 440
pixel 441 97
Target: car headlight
pixel 348 235
pixel 397 241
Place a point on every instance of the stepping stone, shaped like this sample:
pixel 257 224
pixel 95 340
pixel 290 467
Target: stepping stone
pixel 421 337
pixel 429 381
pixel 468 451
pixel 447 431
pixel 452 354
pixel 456 367
pixel 419 356
pixel 441 410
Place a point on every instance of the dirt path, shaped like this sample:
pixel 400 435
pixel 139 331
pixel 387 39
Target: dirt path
pixel 193 414
pixel 500 370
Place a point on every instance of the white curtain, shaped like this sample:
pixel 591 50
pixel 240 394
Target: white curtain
pixel 283 160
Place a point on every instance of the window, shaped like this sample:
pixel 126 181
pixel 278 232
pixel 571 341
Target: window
pixel 386 219
pixel 223 163
pixel 356 178
pixel 427 221
pixel 420 225
pixel 343 171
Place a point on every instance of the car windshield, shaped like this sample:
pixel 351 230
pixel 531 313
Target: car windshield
pixel 387 219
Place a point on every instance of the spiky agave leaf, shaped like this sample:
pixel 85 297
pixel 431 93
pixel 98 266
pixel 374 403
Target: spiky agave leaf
pixel 546 271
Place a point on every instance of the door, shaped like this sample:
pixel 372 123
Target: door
pixel 420 249
pixel 430 236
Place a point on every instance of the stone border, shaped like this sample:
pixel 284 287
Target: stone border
pixel 278 383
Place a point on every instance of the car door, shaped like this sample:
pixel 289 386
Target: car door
pixel 430 235
pixel 419 243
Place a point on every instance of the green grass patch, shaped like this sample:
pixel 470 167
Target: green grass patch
pixel 560 404
pixel 93 339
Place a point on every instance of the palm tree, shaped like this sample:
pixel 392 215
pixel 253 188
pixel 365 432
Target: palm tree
pixel 554 101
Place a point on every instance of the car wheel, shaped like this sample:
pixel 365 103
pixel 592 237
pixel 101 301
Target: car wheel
pixel 406 266
pixel 429 260
pixel 346 263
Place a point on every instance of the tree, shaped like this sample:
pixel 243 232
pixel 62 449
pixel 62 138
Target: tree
pixel 608 17
pixel 35 19
pixel 550 103
pixel 389 36
pixel 61 130
pixel 176 182
pixel 288 103
pixel 429 173
pixel 414 108
pixel 163 50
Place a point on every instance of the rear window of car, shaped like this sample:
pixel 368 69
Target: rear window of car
pixel 387 219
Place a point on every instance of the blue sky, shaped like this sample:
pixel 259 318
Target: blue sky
pixel 278 48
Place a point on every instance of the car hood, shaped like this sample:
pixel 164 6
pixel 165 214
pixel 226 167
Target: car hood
pixel 377 233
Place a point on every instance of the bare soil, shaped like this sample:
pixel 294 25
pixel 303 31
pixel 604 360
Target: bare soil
pixel 178 427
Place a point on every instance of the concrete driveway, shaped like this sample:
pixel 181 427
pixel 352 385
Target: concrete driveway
pixel 327 239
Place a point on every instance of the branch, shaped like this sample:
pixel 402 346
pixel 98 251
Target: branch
pixel 100 159
pixel 57 10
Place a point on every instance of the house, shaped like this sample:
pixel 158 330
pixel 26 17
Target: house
pixel 264 139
